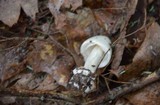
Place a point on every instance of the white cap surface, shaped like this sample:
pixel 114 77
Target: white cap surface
pixel 103 42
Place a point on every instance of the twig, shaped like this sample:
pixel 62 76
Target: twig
pixel 20 38
pixel 120 82
pixel 6 49
pixel 37 94
pixel 108 87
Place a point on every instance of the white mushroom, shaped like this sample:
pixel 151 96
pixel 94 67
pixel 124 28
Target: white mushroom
pixel 97 54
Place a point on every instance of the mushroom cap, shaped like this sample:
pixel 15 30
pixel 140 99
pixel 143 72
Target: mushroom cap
pixel 103 42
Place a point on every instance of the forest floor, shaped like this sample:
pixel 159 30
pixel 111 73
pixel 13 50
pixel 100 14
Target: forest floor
pixel 40 47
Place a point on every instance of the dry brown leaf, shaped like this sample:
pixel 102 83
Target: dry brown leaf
pixel 55 5
pixel 147 96
pixel 12 61
pixel 62 69
pixel 81 25
pixel 41 56
pixel 34 81
pixel 45 57
pixel 122 101
pixel 119 4
pixel 10 10
pixel 119 47
pixel 23 80
pixel 29 81
pixel 110 21
pixel 60 21
pixel 89 22
pixel 30 7
pixel 148 55
pixel 47 84
pixel 73 3
pixel 8 99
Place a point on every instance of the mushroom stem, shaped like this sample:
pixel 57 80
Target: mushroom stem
pixel 94 59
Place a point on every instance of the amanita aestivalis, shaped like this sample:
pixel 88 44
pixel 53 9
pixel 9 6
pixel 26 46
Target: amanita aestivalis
pixel 97 53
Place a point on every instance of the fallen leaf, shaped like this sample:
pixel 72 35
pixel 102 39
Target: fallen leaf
pixel 12 61
pixel 55 5
pixel 111 22
pixel 8 99
pixel 120 45
pixel 81 25
pixel 73 3
pixel 147 96
pixel 62 69
pixel 41 56
pixel 23 80
pixel 46 57
pixel 122 101
pixel 32 81
pixel 119 54
pixel 48 51
pixel 119 4
pixel 48 84
pixel 10 10
pixel 60 21
pixel 147 56
pixel 30 7
pixel 35 80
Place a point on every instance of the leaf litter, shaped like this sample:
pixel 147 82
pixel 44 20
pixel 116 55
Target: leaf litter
pixel 10 10
pixel 42 59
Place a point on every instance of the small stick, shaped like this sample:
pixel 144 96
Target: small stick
pixel 37 94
